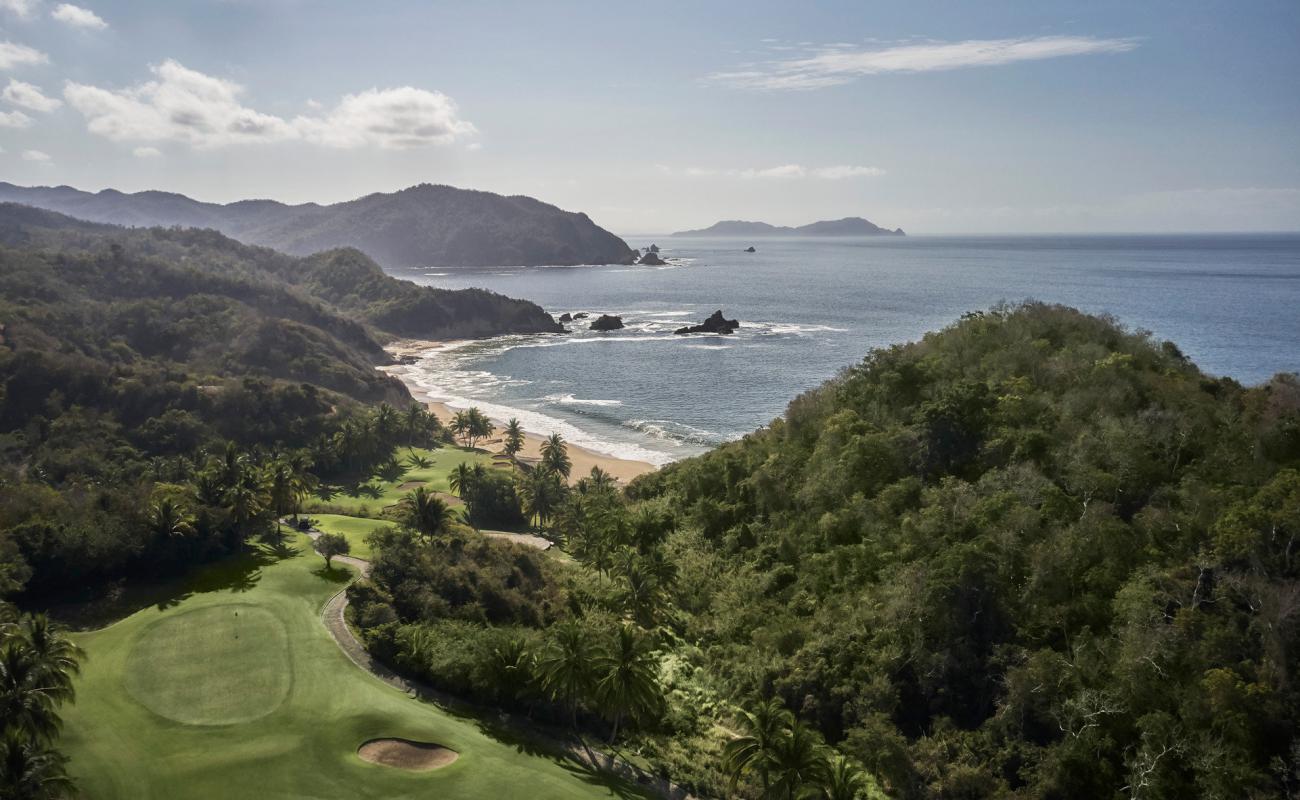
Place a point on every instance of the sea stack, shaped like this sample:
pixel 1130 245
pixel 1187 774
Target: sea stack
pixel 716 323
pixel 605 322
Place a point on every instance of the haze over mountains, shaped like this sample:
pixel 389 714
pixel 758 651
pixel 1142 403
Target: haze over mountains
pixel 424 225
pixel 848 226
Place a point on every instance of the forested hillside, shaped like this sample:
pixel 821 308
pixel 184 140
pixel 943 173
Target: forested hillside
pixel 424 225
pixel 1031 555
pixel 129 358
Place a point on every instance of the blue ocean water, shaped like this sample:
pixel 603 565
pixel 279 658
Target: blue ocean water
pixel 809 307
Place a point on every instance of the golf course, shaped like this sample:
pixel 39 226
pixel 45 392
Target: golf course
pixel 234 688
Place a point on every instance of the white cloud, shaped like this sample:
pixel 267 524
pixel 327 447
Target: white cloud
pixel 23 8
pixel 388 118
pixel 834 65
pixel 13 55
pixel 184 105
pixel 29 96
pixel 783 171
pixel 37 156
pixel 147 152
pixel 78 17
pixel 14 119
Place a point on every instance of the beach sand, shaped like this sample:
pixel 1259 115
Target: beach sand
pixel 583 459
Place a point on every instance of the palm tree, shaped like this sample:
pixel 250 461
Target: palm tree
pixel 565 667
pixel 755 748
pixel 280 489
pixel 416 423
pixel 844 780
pixel 511 666
pixel 27 705
pixel 460 424
pixel 600 480
pixel 246 499
pixel 425 512
pixel 542 492
pixel 641 595
pixel 798 762
pixel 301 483
pixel 555 455
pixel 167 519
pixel 387 423
pixel 628 685
pixel 514 438
pixel 56 657
pixel 31 770
pixel 461 480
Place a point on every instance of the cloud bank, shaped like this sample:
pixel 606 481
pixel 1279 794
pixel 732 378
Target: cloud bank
pixel 15 55
pixel 206 112
pixel 78 17
pixel 29 97
pixel 836 65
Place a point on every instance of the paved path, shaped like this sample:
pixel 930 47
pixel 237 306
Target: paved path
pixel 526 539
pixel 335 620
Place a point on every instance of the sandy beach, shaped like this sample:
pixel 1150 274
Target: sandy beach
pixel 583 459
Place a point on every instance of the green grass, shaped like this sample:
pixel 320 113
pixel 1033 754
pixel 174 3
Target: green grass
pixel 354 529
pixel 356 501
pixel 235 689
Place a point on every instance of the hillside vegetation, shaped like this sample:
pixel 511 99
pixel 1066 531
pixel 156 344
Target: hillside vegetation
pixel 1031 555
pixel 424 225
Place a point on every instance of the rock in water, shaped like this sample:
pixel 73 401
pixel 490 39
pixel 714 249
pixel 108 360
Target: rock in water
pixel 654 248
pixel 607 323
pixel 716 323
pixel 580 315
pixel 652 259
pixel 566 317
pixel 750 249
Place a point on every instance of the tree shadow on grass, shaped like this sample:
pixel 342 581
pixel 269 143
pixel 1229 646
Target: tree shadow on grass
pixel 333 573
pixel 239 572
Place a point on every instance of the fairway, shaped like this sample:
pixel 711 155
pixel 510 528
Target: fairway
pixel 354 529
pixel 361 501
pixel 236 690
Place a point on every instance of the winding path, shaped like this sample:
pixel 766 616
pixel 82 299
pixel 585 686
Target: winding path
pixel 335 620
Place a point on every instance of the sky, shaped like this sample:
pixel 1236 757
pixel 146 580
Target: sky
pixel 939 117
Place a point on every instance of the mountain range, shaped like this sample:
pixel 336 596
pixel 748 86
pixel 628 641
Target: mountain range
pixel 849 226
pixel 425 225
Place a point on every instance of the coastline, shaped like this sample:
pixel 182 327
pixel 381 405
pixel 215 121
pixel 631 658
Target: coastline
pixel 623 469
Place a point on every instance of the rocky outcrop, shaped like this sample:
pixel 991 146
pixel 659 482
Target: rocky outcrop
pixel 652 259
pixel 605 322
pixel 750 249
pixel 566 317
pixel 716 323
pixel 654 248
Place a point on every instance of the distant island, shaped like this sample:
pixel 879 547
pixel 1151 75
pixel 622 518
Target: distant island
pixel 425 225
pixel 849 226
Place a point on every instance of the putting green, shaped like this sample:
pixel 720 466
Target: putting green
pixel 354 529
pixel 211 666
pixel 184 700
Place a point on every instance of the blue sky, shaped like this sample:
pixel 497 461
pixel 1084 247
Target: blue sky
pixel 940 117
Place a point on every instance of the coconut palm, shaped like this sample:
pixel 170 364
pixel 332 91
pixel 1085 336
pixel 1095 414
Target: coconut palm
pixel 542 492
pixel 798 762
pixel 555 455
pixel 280 489
pixel 628 682
pixel 600 480
pixel 167 519
pixel 57 658
pixel 29 769
pixel 565 667
pixel 425 513
pixel 387 423
pixel 461 423
pixel 247 498
pixel 514 438
pixel 844 780
pixel 27 704
pixel 753 751
pixel 461 480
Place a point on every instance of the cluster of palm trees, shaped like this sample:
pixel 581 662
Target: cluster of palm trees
pixel 545 487
pixel 236 491
pixel 788 759
pixel 37 665
pixel 471 425
pixel 425 513
pixel 366 439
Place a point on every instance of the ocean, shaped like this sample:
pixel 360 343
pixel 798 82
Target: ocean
pixel 810 307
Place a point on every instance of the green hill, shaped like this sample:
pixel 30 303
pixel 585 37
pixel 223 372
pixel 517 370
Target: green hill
pixel 1031 555
pixel 424 225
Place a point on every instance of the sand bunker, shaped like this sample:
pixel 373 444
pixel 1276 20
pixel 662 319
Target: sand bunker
pixel 406 754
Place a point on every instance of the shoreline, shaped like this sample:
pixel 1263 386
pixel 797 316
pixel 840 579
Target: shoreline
pixel 623 469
